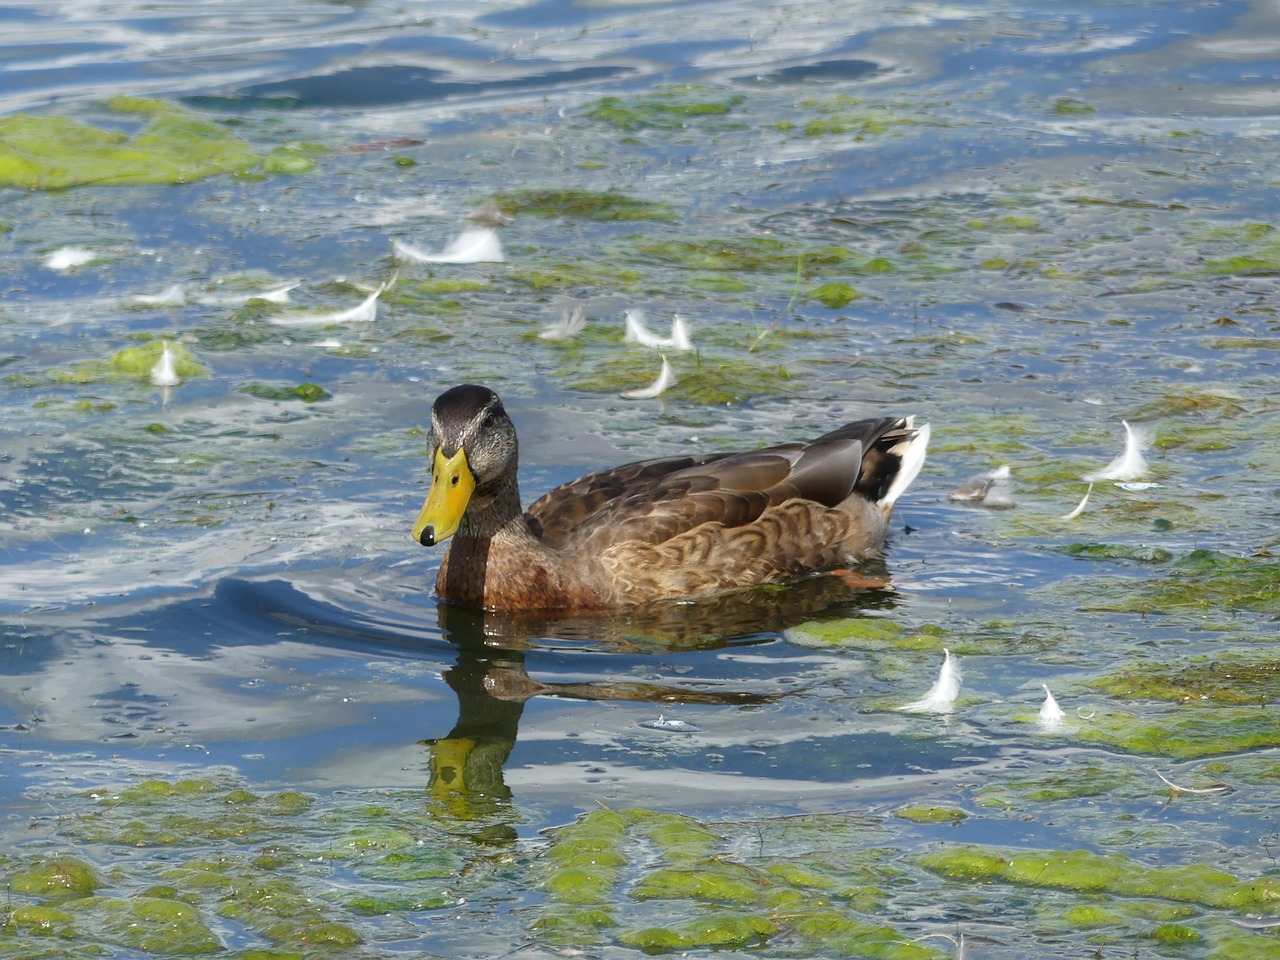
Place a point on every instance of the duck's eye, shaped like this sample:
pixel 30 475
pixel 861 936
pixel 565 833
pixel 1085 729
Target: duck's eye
pixel 488 422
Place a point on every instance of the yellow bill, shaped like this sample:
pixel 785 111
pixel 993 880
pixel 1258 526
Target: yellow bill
pixel 451 485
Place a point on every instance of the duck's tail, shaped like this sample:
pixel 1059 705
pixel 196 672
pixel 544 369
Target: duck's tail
pixel 909 445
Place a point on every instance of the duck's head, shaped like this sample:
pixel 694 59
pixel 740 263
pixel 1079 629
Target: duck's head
pixel 473 451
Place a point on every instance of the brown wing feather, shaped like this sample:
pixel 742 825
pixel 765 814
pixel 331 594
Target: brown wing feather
pixel 653 501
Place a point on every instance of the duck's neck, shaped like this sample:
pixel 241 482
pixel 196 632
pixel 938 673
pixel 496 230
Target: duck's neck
pixel 493 531
pixel 494 513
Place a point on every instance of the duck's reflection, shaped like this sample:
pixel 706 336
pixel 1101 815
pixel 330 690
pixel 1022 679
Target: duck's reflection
pixel 492 685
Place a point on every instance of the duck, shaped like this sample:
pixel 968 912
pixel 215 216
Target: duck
pixel 681 527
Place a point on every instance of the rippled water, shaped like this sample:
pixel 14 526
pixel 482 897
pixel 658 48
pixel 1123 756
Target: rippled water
pixel 1051 221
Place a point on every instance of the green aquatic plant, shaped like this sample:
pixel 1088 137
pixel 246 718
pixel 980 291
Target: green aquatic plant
pixel 1226 678
pixel 1117 874
pixel 1202 581
pixel 669 108
pixel 1184 734
pixel 126 364
pixel 306 392
pixel 173 146
pixel 583 204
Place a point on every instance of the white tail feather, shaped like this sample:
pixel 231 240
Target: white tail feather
pixel 911 452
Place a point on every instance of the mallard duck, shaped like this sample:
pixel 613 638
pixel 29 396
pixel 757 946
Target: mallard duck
pixel 679 527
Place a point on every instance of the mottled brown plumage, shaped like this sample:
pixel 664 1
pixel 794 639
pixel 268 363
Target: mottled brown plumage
pixel 674 527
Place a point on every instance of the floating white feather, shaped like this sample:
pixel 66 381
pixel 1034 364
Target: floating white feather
pixel 942 695
pixel 1079 506
pixel 637 332
pixel 570 325
pixel 366 312
pixel 165 372
pixel 680 334
pixel 1131 464
pixel 1050 713
pixel 174 296
pixel 476 245
pixel 65 258
pixel 666 378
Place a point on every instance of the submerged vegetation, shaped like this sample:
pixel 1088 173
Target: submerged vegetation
pixel 173 145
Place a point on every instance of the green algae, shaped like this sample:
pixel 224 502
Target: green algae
pixel 670 108
pixel 1076 783
pixel 833 296
pixel 1115 874
pixel 155 925
pixel 583 204
pixel 844 115
pixel 1111 551
pixel 306 392
pixel 867 633
pixel 755 255
pixel 1070 107
pixel 174 146
pixel 62 877
pixel 704 380
pixel 128 364
pixel 1226 679
pixel 919 814
pixel 1174 933
pixel 717 930
pixel 1185 733
pixel 715 881
pixel 41 921
pixel 1202 581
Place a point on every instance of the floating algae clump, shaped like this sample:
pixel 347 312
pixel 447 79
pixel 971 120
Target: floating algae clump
pixel 174 146
pixel 584 204
pixel 56 878
pixel 1113 873
pixel 139 362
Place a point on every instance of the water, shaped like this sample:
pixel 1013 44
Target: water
pixel 1050 221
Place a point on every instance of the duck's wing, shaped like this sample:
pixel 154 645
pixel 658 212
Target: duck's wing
pixel 652 501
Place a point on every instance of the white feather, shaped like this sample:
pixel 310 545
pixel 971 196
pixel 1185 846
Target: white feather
pixel 665 379
pixel 680 334
pixel 476 245
pixel 365 312
pixel 570 325
pixel 64 258
pixel 637 332
pixel 1079 506
pixel 1050 713
pixel 942 695
pixel 174 296
pixel 912 456
pixel 164 373
pixel 1131 464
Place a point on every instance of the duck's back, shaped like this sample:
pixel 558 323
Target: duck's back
pixel 860 466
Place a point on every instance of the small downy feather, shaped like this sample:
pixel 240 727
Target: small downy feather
pixel 570 325
pixel 365 312
pixel 1084 502
pixel 476 245
pixel 165 373
pixel 1130 464
pixel 1050 713
pixel 637 332
pixel 666 378
pixel 942 695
